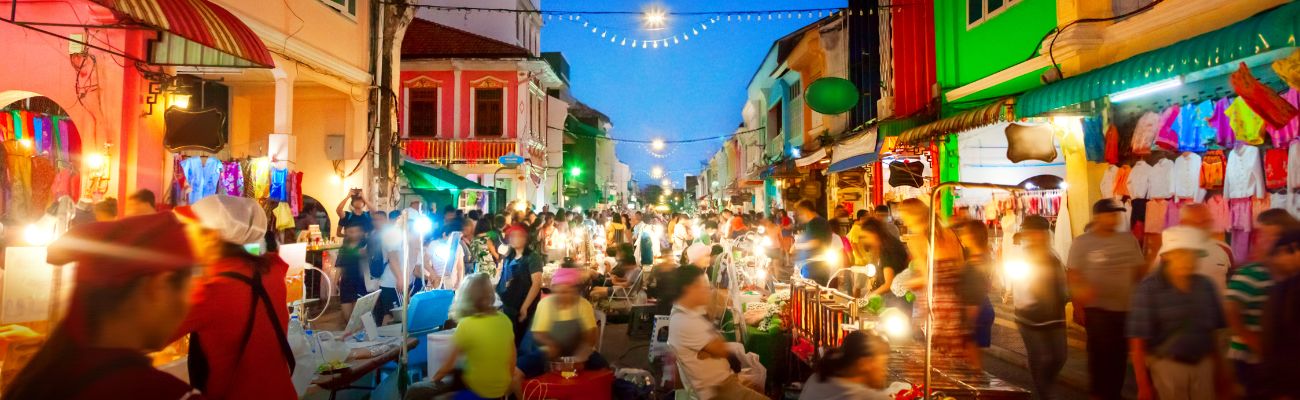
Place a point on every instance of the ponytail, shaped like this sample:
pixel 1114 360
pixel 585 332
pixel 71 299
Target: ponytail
pixel 838 361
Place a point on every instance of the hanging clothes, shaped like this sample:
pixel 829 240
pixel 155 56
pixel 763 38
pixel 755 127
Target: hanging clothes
pixel 1285 134
pixel 1213 166
pixel 1293 169
pixel 295 192
pixel 1243 177
pixel 203 175
pixel 42 182
pixel 232 179
pixel 1121 181
pixel 1222 124
pixel 1247 125
pixel 1139 180
pixel 1167 137
pixel 1219 210
pixel 1186 177
pixel 1275 169
pixel 1112 145
pixel 1108 182
pixel 1159 182
pixel 1144 134
pixel 1094 139
pixel 1239 211
pixel 1262 99
pixel 6 126
pixel 259 177
pixel 278 191
pixel 18 163
pixel 1063 235
pixel 1193 126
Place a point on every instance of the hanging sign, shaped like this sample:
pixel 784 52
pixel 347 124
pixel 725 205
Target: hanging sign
pixel 511 160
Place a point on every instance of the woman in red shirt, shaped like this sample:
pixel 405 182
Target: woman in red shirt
pixel 235 355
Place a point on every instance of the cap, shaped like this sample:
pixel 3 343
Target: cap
pixel 1107 206
pixel 1288 239
pixel 238 220
pixel 1035 223
pixel 114 252
pixel 697 251
pixel 1182 238
pixel 515 228
pixel 566 276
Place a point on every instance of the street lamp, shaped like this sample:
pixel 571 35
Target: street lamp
pixel 656 172
pixel 655 18
pixel 657 145
pixel 575 171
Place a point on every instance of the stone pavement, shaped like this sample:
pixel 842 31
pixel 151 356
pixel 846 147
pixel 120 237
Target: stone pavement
pixel 1008 347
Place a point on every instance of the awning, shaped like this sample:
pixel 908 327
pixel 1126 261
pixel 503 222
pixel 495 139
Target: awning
pixel 195 33
pixel 998 111
pixel 1262 33
pixel 811 158
pixel 424 177
pixel 855 152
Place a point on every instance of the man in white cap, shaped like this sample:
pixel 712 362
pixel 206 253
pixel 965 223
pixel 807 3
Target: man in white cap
pixel 1172 324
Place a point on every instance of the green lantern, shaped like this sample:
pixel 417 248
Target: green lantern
pixel 831 95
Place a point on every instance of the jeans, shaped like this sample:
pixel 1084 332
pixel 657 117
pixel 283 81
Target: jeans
pixel 1248 378
pixel 1047 350
pixel 1107 352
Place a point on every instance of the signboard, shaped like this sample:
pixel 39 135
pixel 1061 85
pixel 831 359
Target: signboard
pixel 511 160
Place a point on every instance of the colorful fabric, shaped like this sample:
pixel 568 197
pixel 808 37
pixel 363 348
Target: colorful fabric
pixel 1240 210
pixel 295 192
pixel 1094 139
pixel 6 126
pixel 1145 132
pixel 1272 109
pixel 19 125
pixel 278 191
pixel 1287 133
pixel 1222 125
pixel 38 134
pixel 18 163
pixel 232 179
pixel 1246 124
pixel 1275 169
pixel 1219 210
pixel 1167 137
pixel 42 179
pixel 1157 209
pixel 1121 181
pixel 259 178
pixel 1112 145
pixel 950 337
pixel 1193 126
pixel 203 175
pixel 1213 167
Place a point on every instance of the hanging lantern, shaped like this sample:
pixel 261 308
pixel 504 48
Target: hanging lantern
pixel 832 95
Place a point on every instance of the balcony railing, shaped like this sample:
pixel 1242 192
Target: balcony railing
pixel 459 151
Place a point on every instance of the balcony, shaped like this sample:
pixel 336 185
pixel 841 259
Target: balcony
pixel 459 151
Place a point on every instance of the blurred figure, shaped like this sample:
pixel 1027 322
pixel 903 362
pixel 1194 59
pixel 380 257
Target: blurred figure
pixel 856 370
pixel 861 253
pixel 482 348
pixel 1103 267
pixel 974 286
pixel 1247 293
pixel 521 280
pixel 131 290
pixel 1218 256
pixel 882 213
pixel 951 337
pixel 1281 322
pixel 140 203
pixel 816 255
pixel 358 211
pixel 106 210
pixel 237 327
pixel 352 263
pixel 700 350
pixel 1171 328
pixel 889 255
pixel 643 240
pixel 564 326
pixel 1039 293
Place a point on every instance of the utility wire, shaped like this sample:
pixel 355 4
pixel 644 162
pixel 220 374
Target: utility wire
pixel 665 141
pixel 628 12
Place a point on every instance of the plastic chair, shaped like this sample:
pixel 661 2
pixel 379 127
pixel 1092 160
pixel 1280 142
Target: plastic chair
pixel 427 312
pixel 628 293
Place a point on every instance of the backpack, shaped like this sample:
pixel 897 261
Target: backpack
pixel 198 360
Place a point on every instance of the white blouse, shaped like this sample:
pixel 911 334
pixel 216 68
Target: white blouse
pixel 1244 176
pixel 1108 182
pixel 1187 177
pixel 1159 183
pixel 1138 179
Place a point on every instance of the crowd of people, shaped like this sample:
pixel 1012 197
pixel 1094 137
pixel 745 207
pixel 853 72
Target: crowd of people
pixel 1185 318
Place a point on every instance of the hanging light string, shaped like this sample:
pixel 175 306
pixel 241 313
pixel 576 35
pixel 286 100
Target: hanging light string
pixel 791 13
pixel 647 142
pixel 616 37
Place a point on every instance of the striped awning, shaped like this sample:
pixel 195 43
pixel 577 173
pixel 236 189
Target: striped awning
pixel 195 33
pixel 999 111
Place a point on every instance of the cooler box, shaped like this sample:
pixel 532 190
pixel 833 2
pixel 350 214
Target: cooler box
pixel 588 385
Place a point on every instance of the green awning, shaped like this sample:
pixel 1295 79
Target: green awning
pixel 1264 32
pixel 424 177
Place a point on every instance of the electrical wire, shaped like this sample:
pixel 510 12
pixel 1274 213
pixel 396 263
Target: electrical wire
pixel 665 141
pixel 790 11
pixel 1056 32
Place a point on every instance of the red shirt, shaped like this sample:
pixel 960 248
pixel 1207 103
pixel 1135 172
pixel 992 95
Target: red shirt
pixel 129 375
pixel 219 314
pixel 1275 169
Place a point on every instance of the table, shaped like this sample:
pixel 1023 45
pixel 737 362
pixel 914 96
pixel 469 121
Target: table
pixel 951 376
pixel 359 368
pixel 588 385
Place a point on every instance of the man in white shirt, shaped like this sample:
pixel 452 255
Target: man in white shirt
pixel 700 350
pixel 1218 256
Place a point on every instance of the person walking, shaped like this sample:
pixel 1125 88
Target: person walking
pixel 1102 268
pixel 889 255
pixel 520 285
pixel 1174 317
pixel 1039 296
pixel 815 252
pixel 1247 293
pixel 1278 368
pixel 950 334
pixel 974 286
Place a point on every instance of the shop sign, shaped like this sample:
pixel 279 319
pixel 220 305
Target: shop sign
pixel 511 160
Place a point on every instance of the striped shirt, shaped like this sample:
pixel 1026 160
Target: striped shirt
pixel 1249 288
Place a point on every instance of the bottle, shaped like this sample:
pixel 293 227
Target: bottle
pixel 314 344
pixel 297 336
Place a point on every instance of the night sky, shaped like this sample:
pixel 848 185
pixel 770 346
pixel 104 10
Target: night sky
pixel 688 90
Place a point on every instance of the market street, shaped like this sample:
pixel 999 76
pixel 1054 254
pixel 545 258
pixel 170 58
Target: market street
pixel 645 200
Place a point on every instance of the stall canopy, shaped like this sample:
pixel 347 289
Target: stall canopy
pixel 855 152
pixel 999 111
pixel 811 158
pixel 1263 33
pixel 194 33
pixel 424 177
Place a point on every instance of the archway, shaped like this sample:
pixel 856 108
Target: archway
pixel 41 149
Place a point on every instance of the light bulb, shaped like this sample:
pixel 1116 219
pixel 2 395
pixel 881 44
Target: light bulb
pixel 35 235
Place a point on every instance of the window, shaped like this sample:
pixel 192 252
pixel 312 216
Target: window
pixel 345 7
pixel 423 106
pixel 979 11
pixel 489 105
pixel 774 121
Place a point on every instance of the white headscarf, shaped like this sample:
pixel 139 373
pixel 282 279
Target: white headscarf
pixel 239 220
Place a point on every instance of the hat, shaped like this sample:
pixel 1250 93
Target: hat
pixel 238 220
pixel 1182 238
pixel 566 277
pixel 1107 206
pixel 515 228
pixel 114 252
pixel 1288 239
pixel 1035 223
pixel 697 251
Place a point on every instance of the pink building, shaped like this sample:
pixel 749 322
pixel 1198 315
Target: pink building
pixel 467 99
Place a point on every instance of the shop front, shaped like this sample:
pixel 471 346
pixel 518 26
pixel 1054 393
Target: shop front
pixel 1211 119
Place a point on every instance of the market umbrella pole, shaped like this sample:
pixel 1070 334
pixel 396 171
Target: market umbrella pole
pixel 929 277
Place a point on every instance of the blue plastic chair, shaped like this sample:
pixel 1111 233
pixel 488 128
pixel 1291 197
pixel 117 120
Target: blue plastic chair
pixel 427 313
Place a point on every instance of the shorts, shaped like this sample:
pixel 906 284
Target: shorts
pixel 351 289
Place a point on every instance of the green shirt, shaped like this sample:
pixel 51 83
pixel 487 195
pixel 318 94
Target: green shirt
pixel 487 343
pixel 1248 288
